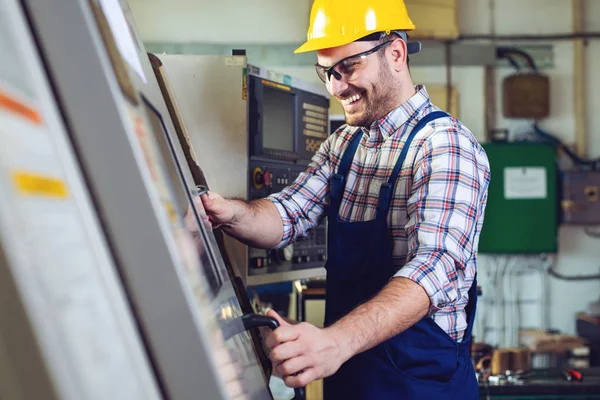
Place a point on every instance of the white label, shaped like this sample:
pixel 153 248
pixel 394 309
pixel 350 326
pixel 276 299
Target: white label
pixel 525 183
pixel 275 76
pixel 122 33
pixel 235 61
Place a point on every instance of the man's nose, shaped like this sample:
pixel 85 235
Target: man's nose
pixel 335 86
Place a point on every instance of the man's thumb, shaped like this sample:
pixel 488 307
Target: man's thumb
pixel 273 314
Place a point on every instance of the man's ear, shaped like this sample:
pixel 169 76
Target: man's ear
pixel 399 55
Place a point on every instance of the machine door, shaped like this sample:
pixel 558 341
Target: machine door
pixel 67 330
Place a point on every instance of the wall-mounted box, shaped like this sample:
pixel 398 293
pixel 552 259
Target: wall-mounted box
pixel 434 18
pixel 581 197
pixel 522 210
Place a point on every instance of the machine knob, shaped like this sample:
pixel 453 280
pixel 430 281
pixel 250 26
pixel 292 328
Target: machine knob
pixel 258 177
pixel 286 253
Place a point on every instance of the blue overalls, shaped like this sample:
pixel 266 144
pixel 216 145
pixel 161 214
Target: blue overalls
pixel 421 363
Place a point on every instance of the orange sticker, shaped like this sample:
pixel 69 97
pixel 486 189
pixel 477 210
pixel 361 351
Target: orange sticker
pixel 17 107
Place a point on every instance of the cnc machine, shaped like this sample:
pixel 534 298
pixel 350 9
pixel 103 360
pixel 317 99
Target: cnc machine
pixel 255 132
pixel 176 292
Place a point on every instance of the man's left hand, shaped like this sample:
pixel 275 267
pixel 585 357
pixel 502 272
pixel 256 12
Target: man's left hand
pixel 303 349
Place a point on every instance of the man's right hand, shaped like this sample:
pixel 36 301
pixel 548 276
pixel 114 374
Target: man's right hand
pixel 256 223
pixel 219 210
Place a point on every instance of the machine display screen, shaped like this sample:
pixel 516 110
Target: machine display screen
pixel 193 216
pixel 278 119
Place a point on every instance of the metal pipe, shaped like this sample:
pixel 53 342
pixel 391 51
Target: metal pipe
pixel 579 80
pixel 508 306
pixel 498 299
pixel 448 49
pixel 488 300
pixel 505 306
pixel 526 37
pixel 545 286
pixel 490 100
pixel 502 314
pixel 518 300
pixel 517 304
pixel 508 52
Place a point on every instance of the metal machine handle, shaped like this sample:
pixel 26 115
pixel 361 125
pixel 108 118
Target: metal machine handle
pixel 252 321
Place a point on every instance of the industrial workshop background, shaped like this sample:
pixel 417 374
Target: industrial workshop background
pixel 460 68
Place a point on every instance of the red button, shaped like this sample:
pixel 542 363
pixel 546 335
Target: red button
pixel 268 178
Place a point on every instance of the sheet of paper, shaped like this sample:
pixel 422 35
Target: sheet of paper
pixel 525 183
pixel 123 35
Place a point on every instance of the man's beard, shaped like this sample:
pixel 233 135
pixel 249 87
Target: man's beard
pixel 378 102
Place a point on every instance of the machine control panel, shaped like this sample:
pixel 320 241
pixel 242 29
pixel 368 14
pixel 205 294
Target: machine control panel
pixel 315 124
pixel 268 177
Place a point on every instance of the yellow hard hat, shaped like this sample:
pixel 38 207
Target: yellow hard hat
pixel 338 22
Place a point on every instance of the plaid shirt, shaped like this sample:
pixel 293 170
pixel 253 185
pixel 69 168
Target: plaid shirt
pixel 437 210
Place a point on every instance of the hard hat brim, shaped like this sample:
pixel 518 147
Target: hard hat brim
pixel 318 44
pixel 313 45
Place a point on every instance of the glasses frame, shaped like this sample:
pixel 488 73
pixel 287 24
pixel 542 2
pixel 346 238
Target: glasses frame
pixel 325 73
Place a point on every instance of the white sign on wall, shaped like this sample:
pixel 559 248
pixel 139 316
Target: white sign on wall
pixel 525 183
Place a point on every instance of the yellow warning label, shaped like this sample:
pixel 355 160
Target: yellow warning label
pixel 277 85
pixel 37 185
pixel 170 209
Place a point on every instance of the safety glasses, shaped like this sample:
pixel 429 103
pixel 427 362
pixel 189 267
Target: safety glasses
pixel 347 67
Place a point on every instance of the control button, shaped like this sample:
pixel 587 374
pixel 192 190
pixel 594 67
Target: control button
pixel 307 258
pixel 285 254
pixel 268 178
pixel 256 263
pixel 322 257
pixel 257 178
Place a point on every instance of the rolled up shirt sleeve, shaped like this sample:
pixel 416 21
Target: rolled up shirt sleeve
pixel 443 210
pixel 302 205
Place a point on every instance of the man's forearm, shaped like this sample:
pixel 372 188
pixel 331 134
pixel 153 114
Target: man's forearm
pixel 398 306
pixel 256 223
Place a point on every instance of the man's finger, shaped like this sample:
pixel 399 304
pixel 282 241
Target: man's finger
pixel 281 335
pixel 285 351
pixel 302 379
pixel 206 201
pixel 274 314
pixel 294 365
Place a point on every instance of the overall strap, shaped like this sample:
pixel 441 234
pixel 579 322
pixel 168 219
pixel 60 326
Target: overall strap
pixel 338 180
pixel 387 189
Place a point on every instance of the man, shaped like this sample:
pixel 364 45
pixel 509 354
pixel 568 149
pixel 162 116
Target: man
pixel 404 188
